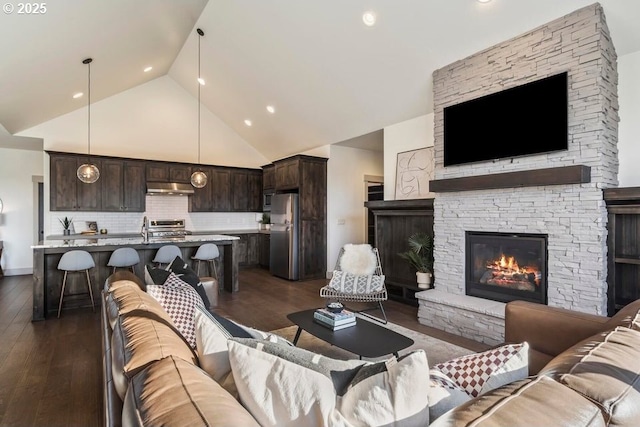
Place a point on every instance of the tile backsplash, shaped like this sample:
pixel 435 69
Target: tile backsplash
pixel 157 207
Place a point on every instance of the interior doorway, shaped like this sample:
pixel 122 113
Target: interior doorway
pixel 374 190
pixel 38 208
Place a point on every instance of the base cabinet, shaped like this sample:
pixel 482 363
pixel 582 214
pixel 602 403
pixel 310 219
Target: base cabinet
pixel 249 250
pixel 265 250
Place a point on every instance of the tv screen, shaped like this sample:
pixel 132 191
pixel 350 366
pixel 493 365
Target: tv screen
pixel 527 119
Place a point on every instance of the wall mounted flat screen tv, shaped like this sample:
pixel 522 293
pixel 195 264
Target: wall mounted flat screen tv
pixel 524 120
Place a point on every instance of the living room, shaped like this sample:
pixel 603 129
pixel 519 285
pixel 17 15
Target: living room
pixel 233 144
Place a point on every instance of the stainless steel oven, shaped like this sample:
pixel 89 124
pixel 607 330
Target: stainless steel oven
pixel 266 200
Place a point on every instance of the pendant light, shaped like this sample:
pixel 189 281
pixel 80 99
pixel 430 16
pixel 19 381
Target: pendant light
pixel 199 178
pixel 88 172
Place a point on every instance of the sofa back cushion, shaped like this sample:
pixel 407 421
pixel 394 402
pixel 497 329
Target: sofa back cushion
pixel 173 392
pixel 606 370
pixel 140 338
pixel 535 401
pixel 127 296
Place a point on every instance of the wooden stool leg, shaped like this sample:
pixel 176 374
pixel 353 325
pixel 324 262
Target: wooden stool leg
pixel 90 291
pixel 198 268
pixel 64 282
pixel 133 269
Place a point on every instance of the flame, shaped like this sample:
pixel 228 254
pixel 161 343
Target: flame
pixel 508 266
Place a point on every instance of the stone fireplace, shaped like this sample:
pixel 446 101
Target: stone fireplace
pixel 568 217
pixel 506 267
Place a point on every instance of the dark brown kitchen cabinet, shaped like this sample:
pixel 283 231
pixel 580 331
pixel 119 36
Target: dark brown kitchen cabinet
pixel 123 186
pixel 221 190
pixel 265 250
pixel 157 172
pixel 67 192
pixel 200 200
pixel 287 174
pixel 268 177
pixel 180 173
pixel 249 250
pixel 247 191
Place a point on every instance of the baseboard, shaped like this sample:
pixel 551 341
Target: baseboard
pixel 18 271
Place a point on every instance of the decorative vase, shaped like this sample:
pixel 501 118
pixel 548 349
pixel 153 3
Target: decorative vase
pixel 66 232
pixel 267 226
pixel 423 279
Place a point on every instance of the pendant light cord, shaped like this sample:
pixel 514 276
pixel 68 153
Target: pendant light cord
pixel 89 112
pixel 199 84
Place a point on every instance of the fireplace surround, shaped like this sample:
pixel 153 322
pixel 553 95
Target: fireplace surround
pixel 506 266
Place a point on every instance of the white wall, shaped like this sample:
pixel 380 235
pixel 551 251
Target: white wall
pixel 404 136
pixel 157 121
pixel 346 170
pixel 629 127
pixel 17 168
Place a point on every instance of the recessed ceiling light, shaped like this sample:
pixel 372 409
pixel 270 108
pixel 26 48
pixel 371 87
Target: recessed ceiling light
pixel 201 81
pixel 77 95
pixel 369 18
pixel 271 109
pixel 484 1
pixel 147 69
pixel 248 122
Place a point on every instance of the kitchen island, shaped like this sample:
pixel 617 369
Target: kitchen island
pixel 47 279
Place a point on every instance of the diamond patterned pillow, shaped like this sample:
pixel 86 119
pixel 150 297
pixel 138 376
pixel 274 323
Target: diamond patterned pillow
pixel 179 300
pixel 354 284
pixel 444 394
pixel 480 372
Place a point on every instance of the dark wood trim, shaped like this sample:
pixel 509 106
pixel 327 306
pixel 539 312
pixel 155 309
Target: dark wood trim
pixel 621 194
pixel 401 205
pixel 563 175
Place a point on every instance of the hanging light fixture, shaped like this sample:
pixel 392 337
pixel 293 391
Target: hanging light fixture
pixel 88 172
pixel 199 178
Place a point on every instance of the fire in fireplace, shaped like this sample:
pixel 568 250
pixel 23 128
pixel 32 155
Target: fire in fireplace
pixel 506 266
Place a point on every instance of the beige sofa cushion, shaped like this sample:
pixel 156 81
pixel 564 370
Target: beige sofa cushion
pixel 172 392
pixel 537 401
pixel 125 296
pixel 605 369
pixel 140 338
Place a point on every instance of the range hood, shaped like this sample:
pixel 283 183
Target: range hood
pixel 169 189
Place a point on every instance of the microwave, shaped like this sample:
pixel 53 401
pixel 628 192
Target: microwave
pixel 266 201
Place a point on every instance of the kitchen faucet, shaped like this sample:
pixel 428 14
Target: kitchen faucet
pixel 145 230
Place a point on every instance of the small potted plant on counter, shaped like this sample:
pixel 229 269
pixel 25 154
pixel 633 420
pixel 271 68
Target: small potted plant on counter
pixel 66 225
pixel 265 221
pixel 420 257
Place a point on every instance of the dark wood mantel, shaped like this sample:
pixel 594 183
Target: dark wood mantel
pixel 575 174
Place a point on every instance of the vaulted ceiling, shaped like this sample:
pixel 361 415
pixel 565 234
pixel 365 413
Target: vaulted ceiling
pixel 329 77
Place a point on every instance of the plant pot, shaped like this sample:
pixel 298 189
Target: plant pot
pixel 423 279
pixel 66 232
pixel 267 226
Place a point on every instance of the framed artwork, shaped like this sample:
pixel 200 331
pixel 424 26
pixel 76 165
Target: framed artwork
pixel 414 169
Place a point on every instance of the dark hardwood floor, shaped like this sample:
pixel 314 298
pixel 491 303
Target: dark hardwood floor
pixel 50 371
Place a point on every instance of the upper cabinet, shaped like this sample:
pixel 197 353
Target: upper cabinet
pixel 287 174
pixel 168 172
pixel 247 190
pixel 67 192
pixel 123 185
pixel 229 190
pixel 268 177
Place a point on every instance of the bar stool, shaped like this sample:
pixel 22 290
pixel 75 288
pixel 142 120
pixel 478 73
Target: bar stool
pixel 124 258
pixel 166 254
pixel 76 261
pixel 208 253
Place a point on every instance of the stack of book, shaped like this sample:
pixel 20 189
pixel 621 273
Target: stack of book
pixel 335 321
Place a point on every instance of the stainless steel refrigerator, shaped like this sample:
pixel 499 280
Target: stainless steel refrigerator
pixel 284 236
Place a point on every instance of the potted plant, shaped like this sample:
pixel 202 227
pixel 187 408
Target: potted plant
pixel 420 257
pixel 66 225
pixel 266 220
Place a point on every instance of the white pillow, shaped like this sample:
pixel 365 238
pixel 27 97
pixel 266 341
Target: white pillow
pixel 348 283
pixel 358 259
pixel 444 394
pixel 287 386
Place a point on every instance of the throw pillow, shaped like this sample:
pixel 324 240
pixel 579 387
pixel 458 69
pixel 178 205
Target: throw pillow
pixel 188 275
pixel 179 300
pixel 155 276
pixel 306 389
pixel 212 333
pixel 348 283
pixel 480 372
pixel 358 259
pixel 444 394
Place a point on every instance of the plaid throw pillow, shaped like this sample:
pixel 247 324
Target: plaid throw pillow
pixel 478 373
pixel 348 283
pixel 179 300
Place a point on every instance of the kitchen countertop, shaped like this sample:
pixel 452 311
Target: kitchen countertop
pixel 137 235
pixel 107 240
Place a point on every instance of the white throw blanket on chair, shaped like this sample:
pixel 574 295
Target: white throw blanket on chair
pixel 358 259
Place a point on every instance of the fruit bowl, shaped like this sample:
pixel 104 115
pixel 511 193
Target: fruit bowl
pixel 335 307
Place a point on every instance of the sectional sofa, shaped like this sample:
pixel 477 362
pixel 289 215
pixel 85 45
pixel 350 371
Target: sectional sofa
pixel 584 370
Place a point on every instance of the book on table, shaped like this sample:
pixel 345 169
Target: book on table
pixel 321 318
pixel 333 327
pixel 341 315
